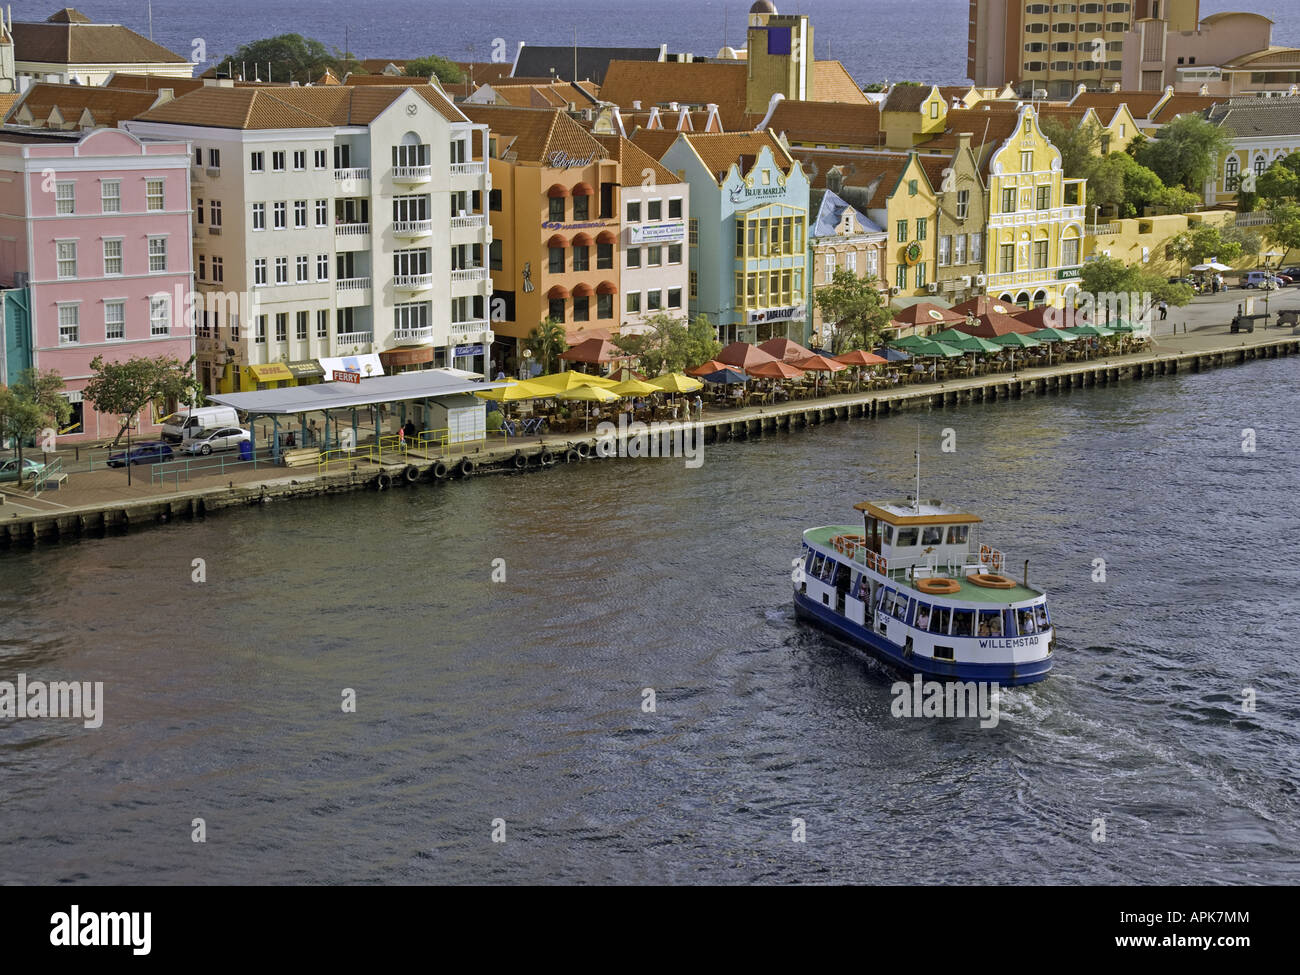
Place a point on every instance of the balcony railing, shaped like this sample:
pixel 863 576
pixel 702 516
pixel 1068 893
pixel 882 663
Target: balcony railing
pixel 351 229
pixel 467 222
pixel 413 335
pixel 352 284
pixel 469 274
pixel 473 325
pixel 468 169
pixel 349 339
pixel 356 173
pixel 414 282
pixel 412 174
pixel 412 228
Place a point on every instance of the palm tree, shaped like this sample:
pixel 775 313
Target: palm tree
pixel 548 342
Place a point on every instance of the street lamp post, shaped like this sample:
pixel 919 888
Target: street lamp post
pixel 127 420
pixel 1268 285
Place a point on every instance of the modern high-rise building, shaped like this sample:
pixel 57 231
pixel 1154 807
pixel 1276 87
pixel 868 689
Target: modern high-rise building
pixel 1055 47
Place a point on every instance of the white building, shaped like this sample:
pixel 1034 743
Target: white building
pixel 355 217
pixel 69 48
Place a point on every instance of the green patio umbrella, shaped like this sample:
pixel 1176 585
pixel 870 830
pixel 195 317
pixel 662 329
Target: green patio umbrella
pixel 1055 335
pixel 1016 340
pixel 1092 330
pixel 927 347
pixel 908 342
pixel 1120 325
pixel 972 343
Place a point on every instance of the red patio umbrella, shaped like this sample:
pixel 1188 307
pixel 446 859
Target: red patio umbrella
pixel 742 355
pixel 993 324
pixel 786 350
pixel 819 363
pixel 859 358
pixel 982 305
pixel 594 350
pixel 776 370
pixel 713 365
pixel 1043 316
pixel 925 313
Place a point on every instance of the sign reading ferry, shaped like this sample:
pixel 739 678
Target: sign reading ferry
pixel 343 376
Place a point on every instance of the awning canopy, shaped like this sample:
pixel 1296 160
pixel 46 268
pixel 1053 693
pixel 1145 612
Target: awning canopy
pixel 607 288
pixel 334 396
pixel 583 291
pixel 582 189
pixel 557 190
pixel 305 369
pixel 607 237
pixel 557 240
pixel 557 291
pixel 406 357
pixel 582 240
pixel 271 372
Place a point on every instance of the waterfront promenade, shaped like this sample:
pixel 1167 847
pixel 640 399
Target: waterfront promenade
pixel 102 498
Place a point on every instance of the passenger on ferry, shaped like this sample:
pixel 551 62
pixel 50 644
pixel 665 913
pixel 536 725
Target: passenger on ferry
pixel 1027 622
pixel 1041 611
pixel 923 618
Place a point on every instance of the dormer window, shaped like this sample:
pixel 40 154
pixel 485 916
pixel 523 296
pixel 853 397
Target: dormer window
pixel 934 110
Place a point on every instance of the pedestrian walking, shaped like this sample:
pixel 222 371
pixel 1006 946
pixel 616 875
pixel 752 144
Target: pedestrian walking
pixel 699 407
pixel 1164 310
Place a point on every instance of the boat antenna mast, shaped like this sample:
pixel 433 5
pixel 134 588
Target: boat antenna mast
pixel 918 469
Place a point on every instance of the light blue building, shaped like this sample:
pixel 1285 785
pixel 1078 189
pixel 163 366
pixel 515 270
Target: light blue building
pixel 15 334
pixel 748 234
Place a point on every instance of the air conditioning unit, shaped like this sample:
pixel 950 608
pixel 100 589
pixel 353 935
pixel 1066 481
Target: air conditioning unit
pixel 979 280
pixel 965 280
pixel 895 290
pixel 487 338
pixel 932 287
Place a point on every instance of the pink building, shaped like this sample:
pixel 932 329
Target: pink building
pixel 98 226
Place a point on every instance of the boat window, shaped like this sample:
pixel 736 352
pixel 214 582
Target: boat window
pixel 828 570
pixel 990 622
pixel 1009 623
pixel 817 565
pixel 887 533
pixel 906 536
pixel 1040 611
pixel 957 534
pixel 943 653
pixel 932 535
pixel 963 622
pixel 939 619
pixel 862 590
pixel 922 615
pixel 1026 621
pixel 887 602
pixel 900 606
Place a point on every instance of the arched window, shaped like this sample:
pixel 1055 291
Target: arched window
pixel 411 151
pixel 1231 168
pixel 1260 165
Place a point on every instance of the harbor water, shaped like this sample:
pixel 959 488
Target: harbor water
pixel 506 638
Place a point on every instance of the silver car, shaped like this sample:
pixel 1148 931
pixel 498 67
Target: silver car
pixel 224 438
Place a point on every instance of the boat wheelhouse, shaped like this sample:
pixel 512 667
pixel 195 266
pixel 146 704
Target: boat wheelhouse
pixel 913 585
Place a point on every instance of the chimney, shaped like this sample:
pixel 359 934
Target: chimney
pixel 835 180
pixel 672 106
pixel 1205 90
pixel 1115 87
pixel 636 105
pixel 165 95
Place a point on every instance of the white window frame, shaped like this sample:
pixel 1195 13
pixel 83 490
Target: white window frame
pixel 65 197
pixel 75 325
pixel 160 310
pixel 121 261
pixel 109 323
pixel 158 239
pixel 115 197
pixel 60 260
pixel 149 195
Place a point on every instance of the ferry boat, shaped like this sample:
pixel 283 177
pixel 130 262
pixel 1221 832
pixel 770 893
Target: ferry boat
pixel 912 586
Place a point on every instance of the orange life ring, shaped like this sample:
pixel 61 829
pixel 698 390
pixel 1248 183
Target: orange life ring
pixel 991 581
pixel 938 587
pixel 839 543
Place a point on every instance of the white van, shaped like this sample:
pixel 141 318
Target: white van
pixel 188 423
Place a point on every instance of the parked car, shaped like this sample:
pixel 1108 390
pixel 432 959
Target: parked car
pixel 149 452
pixel 223 438
pixel 1256 279
pixel 1292 272
pixel 193 423
pixel 9 469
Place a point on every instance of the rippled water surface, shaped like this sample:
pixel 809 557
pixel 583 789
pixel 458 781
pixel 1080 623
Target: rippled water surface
pixel 521 700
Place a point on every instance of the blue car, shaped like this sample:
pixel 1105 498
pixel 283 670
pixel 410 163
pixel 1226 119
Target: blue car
pixel 152 452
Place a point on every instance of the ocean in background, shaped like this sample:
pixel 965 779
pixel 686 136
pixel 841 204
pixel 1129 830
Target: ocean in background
pixel 876 39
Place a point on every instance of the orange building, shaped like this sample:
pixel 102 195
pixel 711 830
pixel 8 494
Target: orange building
pixel 554 210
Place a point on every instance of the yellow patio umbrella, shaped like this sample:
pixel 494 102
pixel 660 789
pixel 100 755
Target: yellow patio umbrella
pixel 588 395
pixel 675 382
pixel 559 382
pixel 634 387
pixel 515 391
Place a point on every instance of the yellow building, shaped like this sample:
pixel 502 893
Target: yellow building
pixel 909 211
pixel 1036 219
pixel 911 114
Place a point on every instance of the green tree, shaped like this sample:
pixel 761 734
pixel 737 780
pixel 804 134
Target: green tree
pixel 1106 279
pixel 445 71
pixel 292 57
pixel 1284 231
pixel 853 311
pixel 1204 242
pixel 1186 152
pixel 671 344
pixel 1278 184
pixel 123 389
pixel 1079 145
pixel 547 342
pixel 30 406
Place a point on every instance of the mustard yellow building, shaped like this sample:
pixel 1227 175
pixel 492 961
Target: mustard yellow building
pixel 1035 233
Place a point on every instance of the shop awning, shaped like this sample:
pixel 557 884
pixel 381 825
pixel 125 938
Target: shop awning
pixel 306 369
pixel 583 291
pixel 559 291
pixel 271 372
pixel 607 288
pixel 607 237
pixel 582 240
pixel 557 190
pixel 557 240
pixel 406 357
pixel 582 189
